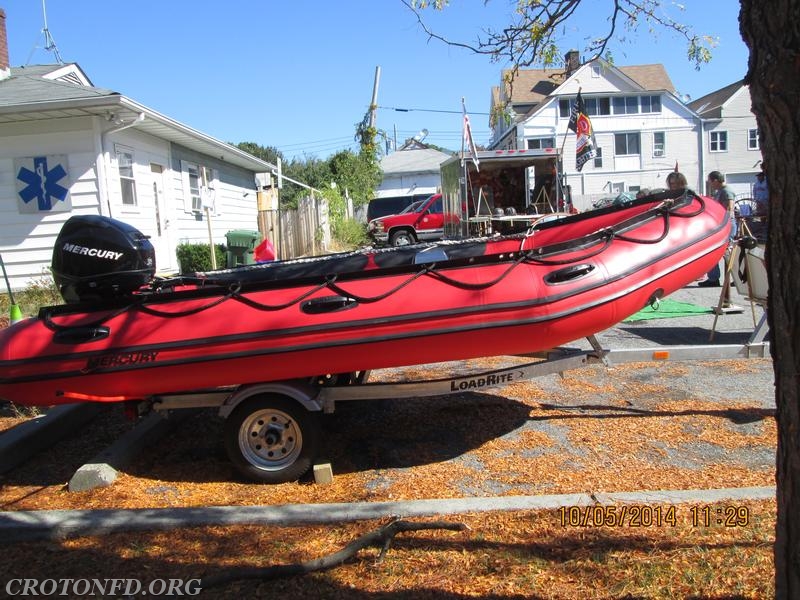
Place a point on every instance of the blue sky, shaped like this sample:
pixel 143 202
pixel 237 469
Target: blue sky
pixel 298 75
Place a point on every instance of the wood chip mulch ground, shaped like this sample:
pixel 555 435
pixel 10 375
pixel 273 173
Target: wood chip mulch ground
pixel 589 431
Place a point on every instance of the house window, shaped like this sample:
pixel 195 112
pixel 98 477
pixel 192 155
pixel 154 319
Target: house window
pixel 593 106
pixel 651 104
pixel 598 106
pixel 753 142
pixel 627 105
pixel 659 144
pixel 595 71
pixel 126 179
pixel 598 158
pixel 194 186
pixel 200 183
pixel 718 141
pixel 626 144
pixel 541 143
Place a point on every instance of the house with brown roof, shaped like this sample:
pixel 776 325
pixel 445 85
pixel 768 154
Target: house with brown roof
pixel 642 129
pixel 730 140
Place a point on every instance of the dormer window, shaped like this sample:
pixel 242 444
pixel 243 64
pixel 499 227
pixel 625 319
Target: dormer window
pixel 651 104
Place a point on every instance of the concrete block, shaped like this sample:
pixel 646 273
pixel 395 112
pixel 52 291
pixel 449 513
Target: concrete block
pixel 31 437
pixel 323 474
pixel 104 468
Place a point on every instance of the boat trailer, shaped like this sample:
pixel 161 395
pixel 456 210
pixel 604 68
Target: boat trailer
pixel 272 429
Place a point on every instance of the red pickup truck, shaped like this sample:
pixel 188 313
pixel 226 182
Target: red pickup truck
pixel 420 222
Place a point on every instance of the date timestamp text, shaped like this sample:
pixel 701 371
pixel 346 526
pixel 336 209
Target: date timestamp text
pixel 633 515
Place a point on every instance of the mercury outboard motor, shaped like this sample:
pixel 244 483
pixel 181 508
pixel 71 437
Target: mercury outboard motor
pixel 98 258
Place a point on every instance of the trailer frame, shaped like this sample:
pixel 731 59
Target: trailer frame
pixel 272 430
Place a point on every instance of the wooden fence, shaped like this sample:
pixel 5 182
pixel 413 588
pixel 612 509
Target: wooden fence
pixel 304 231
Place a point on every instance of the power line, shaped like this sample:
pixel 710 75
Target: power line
pixel 430 110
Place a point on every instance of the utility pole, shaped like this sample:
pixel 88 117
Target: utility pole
pixel 373 107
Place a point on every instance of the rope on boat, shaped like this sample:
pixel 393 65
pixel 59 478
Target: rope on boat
pixel 334 287
pixel 261 306
pixel 606 236
pixel 48 320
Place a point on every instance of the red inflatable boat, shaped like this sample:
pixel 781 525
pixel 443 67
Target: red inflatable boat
pixel 125 335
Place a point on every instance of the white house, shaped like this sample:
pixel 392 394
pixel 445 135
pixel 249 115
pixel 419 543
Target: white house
pixel 68 147
pixel 730 141
pixel 641 127
pixel 412 169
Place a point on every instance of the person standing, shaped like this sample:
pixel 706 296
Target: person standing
pixel 761 192
pixel 720 193
pixel 676 181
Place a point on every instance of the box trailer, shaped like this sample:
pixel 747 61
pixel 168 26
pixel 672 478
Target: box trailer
pixel 500 190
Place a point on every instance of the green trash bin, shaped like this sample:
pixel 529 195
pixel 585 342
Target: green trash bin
pixel 241 245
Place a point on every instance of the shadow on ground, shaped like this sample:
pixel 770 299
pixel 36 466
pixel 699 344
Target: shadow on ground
pixel 672 336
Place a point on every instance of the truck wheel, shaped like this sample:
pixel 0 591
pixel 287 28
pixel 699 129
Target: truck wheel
pixel 271 438
pixel 402 238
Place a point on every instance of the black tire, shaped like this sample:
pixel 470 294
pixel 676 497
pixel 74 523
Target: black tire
pixel 272 438
pixel 402 238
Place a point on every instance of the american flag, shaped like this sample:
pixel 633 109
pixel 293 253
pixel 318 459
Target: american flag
pixel 467 143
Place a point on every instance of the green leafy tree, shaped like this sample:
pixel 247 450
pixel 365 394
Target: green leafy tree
pixel 770 30
pixel 356 173
pixel 312 171
pixel 269 154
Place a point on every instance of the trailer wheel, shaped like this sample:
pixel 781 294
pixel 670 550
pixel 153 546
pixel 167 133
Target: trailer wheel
pixel 402 238
pixel 271 438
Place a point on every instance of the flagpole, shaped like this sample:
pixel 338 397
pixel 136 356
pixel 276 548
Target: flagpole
pixel 464 174
pixel 561 174
pixel 463 124
pixel 564 141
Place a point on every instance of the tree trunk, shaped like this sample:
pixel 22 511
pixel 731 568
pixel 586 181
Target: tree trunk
pixel 771 30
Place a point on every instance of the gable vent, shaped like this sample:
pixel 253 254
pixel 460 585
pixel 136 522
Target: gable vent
pixel 70 78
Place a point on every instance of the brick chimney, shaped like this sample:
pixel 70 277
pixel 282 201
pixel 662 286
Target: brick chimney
pixel 5 71
pixel 572 61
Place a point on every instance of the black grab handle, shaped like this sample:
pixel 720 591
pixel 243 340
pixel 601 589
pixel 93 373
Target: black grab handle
pixel 328 304
pixel 568 273
pixel 81 335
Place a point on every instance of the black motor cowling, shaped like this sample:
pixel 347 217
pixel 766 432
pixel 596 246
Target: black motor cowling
pixel 98 258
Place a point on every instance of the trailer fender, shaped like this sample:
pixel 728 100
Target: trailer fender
pixel 300 391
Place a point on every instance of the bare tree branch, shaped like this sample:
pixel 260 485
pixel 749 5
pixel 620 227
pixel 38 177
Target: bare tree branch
pixel 380 538
pixel 532 38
